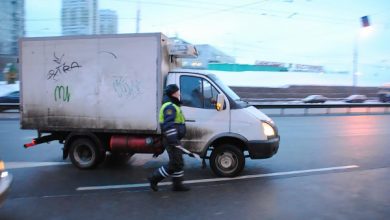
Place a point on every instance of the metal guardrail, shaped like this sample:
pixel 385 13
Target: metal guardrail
pixel 290 99
pixel 343 105
pixel 8 106
pixel 348 106
pixel 294 99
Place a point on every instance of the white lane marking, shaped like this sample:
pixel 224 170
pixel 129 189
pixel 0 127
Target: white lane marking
pixel 138 185
pixel 19 165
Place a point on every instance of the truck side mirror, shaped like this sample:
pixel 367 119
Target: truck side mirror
pixel 220 102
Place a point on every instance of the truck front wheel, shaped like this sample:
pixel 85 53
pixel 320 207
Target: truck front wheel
pixel 227 160
pixel 84 154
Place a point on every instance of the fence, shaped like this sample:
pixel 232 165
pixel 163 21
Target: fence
pixel 282 107
pixel 382 107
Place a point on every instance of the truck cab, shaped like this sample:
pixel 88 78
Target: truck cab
pixel 220 126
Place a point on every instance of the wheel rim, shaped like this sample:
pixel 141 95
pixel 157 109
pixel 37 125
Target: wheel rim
pixel 84 155
pixel 227 162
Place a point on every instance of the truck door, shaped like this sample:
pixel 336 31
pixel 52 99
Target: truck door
pixel 203 121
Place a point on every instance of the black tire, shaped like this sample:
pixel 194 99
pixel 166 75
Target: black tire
pixel 85 154
pixel 227 160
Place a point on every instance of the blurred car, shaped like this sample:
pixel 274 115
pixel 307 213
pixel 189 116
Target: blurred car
pixel 315 99
pixel 384 97
pixel 384 93
pixel 356 99
pixel 5 182
pixel 12 97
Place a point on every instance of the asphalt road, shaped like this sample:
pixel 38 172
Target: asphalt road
pixel 328 167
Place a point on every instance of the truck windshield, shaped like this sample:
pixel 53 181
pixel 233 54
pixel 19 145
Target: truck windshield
pixel 224 87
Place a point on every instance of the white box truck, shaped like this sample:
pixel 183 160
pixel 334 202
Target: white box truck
pixel 102 94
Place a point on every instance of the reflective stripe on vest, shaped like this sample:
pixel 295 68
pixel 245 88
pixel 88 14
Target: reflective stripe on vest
pixel 179 118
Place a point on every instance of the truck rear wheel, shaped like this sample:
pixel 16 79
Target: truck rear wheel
pixel 85 154
pixel 227 160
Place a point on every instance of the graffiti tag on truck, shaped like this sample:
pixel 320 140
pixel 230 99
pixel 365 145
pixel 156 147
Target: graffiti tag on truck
pixel 61 93
pixel 61 67
pixel 125 89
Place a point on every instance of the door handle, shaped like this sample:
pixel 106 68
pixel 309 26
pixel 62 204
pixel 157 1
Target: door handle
pixel 189 120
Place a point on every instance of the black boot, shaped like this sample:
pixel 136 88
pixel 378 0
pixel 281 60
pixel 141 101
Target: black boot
pixel 154 179
pixel 178 184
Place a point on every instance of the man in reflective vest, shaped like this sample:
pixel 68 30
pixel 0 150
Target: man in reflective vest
pixel 173 128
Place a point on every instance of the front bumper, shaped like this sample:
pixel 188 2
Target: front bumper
pixel 263 149
pixel 5 184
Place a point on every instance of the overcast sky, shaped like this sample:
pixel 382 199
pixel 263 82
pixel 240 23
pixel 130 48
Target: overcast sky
pixel 318 32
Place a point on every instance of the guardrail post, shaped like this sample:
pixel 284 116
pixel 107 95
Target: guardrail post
pixel 306 111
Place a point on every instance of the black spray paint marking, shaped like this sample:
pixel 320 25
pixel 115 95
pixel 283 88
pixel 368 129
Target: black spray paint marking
pixel 56 59
pixel 61 93
pixel 62 67
pixel 108 52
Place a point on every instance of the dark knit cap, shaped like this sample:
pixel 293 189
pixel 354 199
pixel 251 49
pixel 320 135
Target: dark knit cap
pixel 170 89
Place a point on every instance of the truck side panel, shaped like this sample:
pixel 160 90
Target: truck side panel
pixel 98 83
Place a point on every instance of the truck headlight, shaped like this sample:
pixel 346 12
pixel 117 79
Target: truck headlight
pixel 4 174
pixel 268 130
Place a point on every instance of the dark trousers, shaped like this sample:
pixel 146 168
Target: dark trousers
pixel 173 169
pixel 175 164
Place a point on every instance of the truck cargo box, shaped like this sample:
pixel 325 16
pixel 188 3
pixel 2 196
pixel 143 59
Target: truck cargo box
pixel 108 83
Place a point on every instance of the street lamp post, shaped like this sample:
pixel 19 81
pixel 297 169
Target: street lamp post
pixel 355 66
pixel 355 63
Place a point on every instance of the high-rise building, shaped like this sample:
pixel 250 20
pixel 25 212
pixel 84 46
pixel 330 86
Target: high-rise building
pixel 80 17
pixel 108 21
pixel 12 25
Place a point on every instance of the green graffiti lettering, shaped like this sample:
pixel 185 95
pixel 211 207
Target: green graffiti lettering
pixel 61 92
